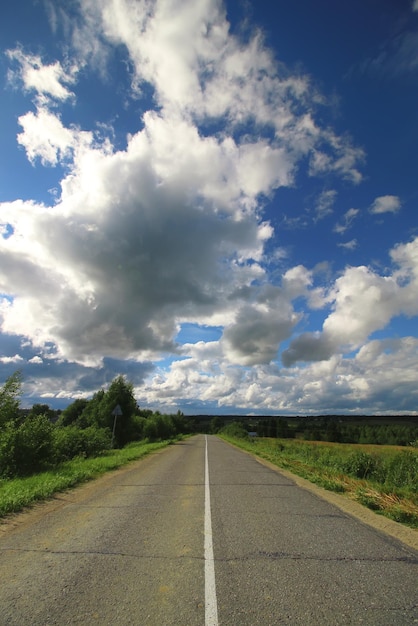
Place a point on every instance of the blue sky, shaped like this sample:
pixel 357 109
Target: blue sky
pixel 218 200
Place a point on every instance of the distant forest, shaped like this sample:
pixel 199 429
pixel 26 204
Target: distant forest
pixel 384 430
pixel 365 429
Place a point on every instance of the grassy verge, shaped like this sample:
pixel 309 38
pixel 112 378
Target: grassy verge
pixel 17 493
pixel 383 478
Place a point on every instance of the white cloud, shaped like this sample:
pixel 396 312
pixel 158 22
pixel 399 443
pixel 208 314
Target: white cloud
pixel 324 204
pixel 45 137
pixel 383 374
pixel 296 282
pixel 415 5
pixel 386 204
pixel 349 245
pixel 47 81
pixel 168 230
pixel 343 158
pixel 347 221
pixel 11 359
pixel 362 302
pixel 200 71
pixel 36 360
pixel 136 242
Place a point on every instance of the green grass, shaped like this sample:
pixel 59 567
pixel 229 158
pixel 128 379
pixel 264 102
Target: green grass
pixel 18 493
pixel 383 478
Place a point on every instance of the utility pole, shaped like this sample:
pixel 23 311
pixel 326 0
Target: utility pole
pixel 116 412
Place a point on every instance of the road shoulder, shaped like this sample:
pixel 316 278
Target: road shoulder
pixel 395 530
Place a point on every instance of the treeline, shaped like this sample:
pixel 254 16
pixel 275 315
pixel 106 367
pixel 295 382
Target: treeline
pixel 39 439
pixel 331 429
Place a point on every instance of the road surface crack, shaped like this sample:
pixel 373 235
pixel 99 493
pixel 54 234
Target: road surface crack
pixel 352 559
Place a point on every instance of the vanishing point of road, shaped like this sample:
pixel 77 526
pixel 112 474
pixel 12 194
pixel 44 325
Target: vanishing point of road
pixel 201 534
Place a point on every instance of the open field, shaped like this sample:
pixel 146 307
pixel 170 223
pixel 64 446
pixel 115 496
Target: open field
pixel 383 478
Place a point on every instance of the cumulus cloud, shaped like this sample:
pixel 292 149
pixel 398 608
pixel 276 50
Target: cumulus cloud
pixel 362 302
pixel 137 242
pixel 386 204
pixel 45 137
pixel 258 328
pixel 381 375
pixel 308 347
pixel 200 70
pixel 16 359
pixel 168 229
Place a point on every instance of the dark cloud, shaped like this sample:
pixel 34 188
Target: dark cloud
pixel 308 347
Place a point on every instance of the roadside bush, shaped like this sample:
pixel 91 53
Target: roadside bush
pixel 235 429
pixel 36 445
pixel 361 465
pixel 8 436
pixel 136 431
pixel 150 430
pixel 32 444
pixel 402 469
pixel 70 441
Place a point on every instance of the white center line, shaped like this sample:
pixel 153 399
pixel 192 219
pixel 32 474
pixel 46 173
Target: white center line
pixel 211 606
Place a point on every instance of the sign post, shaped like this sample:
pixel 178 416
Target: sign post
pixel 116 412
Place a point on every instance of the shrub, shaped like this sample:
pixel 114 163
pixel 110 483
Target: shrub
pixel 360 465
pixel 33 446
pixel 402 469
pixel 235 429
pixel 70 441
pixel 150 430
pixel 8 436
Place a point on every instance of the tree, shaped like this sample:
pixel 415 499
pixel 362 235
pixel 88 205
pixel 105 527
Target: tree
pixel 99 411
pixel 9 398
pixel 42 409
pixel 216 424
pixel 235 429
pixel 73 411
pixel 271 427
pixel 89 415
pixel 282 429
pixel 333 431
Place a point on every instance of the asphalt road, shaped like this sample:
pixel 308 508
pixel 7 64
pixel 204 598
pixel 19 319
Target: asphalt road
pixel 130 548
